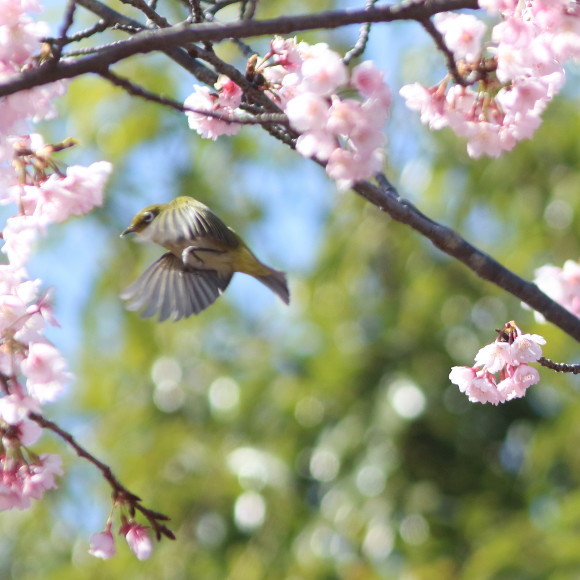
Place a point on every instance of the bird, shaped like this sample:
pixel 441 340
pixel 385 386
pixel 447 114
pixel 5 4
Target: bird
pixel 203 255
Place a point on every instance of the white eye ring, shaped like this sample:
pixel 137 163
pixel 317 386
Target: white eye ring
pixel 148 217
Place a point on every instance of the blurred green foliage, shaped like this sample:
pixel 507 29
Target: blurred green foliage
pixel 324 440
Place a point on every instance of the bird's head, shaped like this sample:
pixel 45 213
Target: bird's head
pixel 143 219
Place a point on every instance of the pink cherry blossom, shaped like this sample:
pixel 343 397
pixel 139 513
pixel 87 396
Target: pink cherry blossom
pixel 368 80
pixel 513 80
pixel 308 112
pixel 11 496
pixel 526 348
pixel 506 7
pixel 20 234
pixel 431 103
pixel 41 476
pixel 323 70
pixel 286 54
pixel 76 193
pixel 304 80
pixel 15 408
pixel 561 284
pixel 201 101
pixel 479 387
pixel 500 373
pixel 102 545
pixel 494 357
pixel 138 538
pixel 347 167
pixel 463 34
pixel 45 371
pixel 320 144
pixel 20 38
pixel 230 94
pixel 20 482
pixel 515 385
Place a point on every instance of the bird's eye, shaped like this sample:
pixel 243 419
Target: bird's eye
pixel 148 217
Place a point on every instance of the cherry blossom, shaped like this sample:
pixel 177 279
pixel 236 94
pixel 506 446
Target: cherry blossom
pixel 506 357
pixel 21 481
pixel 561 284
pixel 304 80
pixel 137 537
pixel 20 39
pixel 223 104
pixel 510 83
pixel 463 34
pixel 45 371
pixel 102 545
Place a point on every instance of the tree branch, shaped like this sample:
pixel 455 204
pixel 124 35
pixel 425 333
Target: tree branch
pixel 120 492
pixel 559 367
pixel 178 55
pixel 166 39
pixel 257 118
pixel 387 199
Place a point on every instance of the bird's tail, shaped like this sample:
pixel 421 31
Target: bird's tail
pixel 277 282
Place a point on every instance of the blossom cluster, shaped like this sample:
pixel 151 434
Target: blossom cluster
pixel 305 81
pixel 508 87
pixel 561 284
pixel 501 372
pixel 32 370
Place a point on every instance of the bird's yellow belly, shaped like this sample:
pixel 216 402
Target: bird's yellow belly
pixel 204 254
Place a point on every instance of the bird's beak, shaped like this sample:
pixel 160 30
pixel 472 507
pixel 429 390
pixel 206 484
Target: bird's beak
pixel 129 230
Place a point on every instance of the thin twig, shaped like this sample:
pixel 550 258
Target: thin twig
pixel 196 11
pixel 67 22
pixel 363 38
pixel 217 6
pixel 100 26
pixel 120 492
pixel 142 93
pixel 149 12
pixel 439 41
pixel 559 367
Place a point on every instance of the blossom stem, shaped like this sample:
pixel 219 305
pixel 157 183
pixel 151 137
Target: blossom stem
pixel 120 493
pixel 559 367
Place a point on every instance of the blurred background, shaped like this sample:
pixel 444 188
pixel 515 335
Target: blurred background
pixel 321 440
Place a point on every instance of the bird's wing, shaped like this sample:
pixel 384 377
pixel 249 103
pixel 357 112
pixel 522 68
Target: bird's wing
pixel 172 290
pixel 187 222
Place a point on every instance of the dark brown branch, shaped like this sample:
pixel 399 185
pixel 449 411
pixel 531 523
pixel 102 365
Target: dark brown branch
pixel 120 492
pixel 559 367
pixel 168 39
